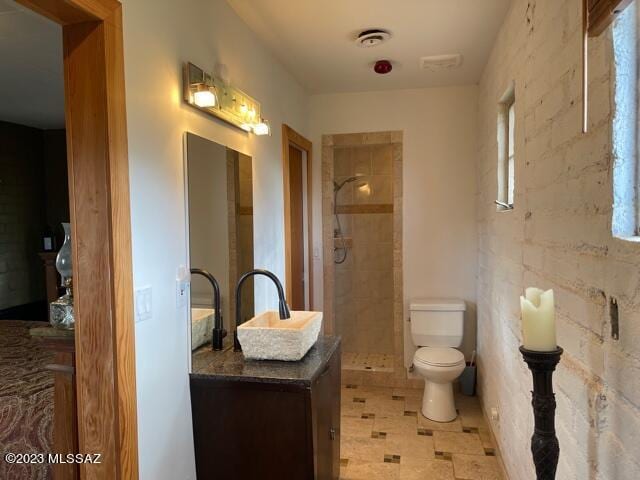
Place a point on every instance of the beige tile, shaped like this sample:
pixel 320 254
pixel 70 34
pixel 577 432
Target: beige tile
pixel 410 446
pixel 409 392
pixel 472 417
pixel 455 442
pixel 351 377
pixel 476 467
pixel 375 138
pixel 413 404
pixel 356 427
pixel 346 194
pixel 342 162
pixel 348 139
pixel 361 161
pixel 382 160
pixel 486 438
pixel 454 426
pixel 362 449
pixel 352 409
pixel 374 391
pixel 396 425
pixel 379 378
pixel 371 471
pixel 427 470
pixel 374 189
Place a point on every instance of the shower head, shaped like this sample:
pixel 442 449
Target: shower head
pixel 337 186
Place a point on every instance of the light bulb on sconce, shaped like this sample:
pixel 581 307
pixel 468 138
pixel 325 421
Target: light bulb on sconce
pixel 262 128
pixel 247 127
pixel 204 97
pixel 251 114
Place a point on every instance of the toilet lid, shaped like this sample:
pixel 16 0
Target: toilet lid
pixel 438 356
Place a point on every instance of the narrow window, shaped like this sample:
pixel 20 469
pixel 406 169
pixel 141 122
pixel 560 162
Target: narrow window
pixel 626 206
pixel 506 150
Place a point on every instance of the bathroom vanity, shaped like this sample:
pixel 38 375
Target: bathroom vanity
pixel 267 419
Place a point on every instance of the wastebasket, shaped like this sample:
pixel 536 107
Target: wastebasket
pixel 468 380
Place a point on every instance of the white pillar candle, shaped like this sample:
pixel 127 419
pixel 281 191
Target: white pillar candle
pixel 538 320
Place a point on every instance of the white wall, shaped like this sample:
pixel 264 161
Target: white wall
pixel 158 37
pixel 439 155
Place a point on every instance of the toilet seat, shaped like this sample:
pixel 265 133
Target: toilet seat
pixel 439 357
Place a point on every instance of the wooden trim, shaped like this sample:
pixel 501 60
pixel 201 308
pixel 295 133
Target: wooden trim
pixel 69 12
pixel 366 208
pixel 291 137
pixel 601 13
pixel 101 232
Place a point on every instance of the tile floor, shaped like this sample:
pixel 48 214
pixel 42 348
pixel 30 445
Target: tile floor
pixel 384 436
pixel 371 362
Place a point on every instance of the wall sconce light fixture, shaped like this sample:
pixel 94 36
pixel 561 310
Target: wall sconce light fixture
pixel 216 97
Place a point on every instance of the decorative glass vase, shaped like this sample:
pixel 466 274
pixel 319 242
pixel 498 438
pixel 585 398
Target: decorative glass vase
pixel 61 311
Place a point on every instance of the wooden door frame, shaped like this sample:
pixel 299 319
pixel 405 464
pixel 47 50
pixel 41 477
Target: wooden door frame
pixel 291 137
pixel 95 117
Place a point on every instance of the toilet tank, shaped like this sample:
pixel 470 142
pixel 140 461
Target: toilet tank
pixel 437 322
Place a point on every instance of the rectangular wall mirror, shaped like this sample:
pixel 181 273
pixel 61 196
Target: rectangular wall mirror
pixel 219 184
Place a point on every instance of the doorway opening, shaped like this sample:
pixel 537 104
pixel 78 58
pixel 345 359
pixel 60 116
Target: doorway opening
pixel 94 368
pixel 34 204
pixel 297 163
pixel 362 241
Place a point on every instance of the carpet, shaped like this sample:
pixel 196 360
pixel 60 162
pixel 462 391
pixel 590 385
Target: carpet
pixel 26 399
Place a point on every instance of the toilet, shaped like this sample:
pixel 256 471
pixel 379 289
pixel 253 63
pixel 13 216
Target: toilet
pixel 436 329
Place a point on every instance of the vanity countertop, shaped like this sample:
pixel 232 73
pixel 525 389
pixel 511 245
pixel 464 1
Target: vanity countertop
pixel 228 365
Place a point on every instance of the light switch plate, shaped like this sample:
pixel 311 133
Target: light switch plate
pixel 144 303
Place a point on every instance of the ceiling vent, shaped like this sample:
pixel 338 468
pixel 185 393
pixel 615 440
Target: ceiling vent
pixel 372 37
pixel 436 63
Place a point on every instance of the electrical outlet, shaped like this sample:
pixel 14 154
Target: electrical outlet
pixel 144 304
pixel 495 415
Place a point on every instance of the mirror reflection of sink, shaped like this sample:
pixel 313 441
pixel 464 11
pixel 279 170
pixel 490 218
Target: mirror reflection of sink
pixel 266 337
pixel 201 326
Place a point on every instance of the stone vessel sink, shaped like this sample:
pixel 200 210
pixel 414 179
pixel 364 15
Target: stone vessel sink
pixel 201 326
pixel 266 337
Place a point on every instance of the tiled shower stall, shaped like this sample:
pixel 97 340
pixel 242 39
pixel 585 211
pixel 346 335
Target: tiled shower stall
pixel 362 204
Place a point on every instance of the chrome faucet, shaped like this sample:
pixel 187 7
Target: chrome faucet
pixel 218 329
pixel 282 302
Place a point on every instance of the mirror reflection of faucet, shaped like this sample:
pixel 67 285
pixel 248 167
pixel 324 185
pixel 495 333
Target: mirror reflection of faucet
pixel 218 330
pixel 282 302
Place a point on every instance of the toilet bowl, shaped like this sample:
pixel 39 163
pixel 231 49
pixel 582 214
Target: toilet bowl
pixel 440 367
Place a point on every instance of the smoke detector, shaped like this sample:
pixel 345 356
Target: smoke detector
pixel 372 37
pixel 436 63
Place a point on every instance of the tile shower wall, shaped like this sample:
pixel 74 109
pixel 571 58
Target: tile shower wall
pixel 364 282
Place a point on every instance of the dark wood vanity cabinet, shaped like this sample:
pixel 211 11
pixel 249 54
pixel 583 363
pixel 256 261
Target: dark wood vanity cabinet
pixel 268 420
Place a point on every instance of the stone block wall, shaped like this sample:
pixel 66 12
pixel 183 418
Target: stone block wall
pixel 22 216
pixel 558 236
